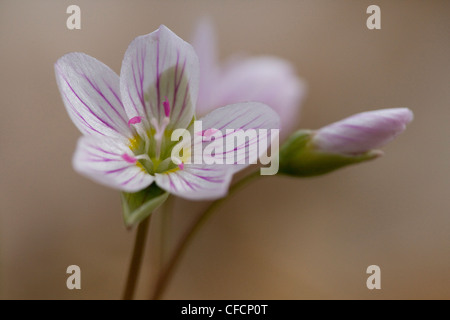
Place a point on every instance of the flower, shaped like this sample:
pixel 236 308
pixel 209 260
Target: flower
pixel 127 121
pixel 363 131
pixel 266 79
pixel 349 141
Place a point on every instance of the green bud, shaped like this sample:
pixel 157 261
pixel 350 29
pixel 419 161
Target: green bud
pixel 140 205
pixel 300 158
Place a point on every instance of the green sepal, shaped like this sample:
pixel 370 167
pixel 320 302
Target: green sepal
pixel 299 157
pixel 140 205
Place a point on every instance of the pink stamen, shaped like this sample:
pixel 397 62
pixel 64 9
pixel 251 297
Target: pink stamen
pixel 181 166
pixel 166 106
pixel 134 120
pixel 129 158
pixel 207 133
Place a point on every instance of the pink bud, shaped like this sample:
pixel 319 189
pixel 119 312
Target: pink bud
pixel 363 131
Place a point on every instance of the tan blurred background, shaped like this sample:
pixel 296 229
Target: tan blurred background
pixel 278 239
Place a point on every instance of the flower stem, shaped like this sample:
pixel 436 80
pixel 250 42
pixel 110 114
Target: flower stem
pixel 166 221
pixel 136 260
pixel 169 269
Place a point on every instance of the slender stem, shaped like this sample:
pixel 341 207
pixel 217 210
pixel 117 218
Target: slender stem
pixel 166 220
pixel 136 260
pixel 163 243
pixel 168 271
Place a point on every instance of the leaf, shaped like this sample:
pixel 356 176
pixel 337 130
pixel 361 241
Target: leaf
pixel 140 205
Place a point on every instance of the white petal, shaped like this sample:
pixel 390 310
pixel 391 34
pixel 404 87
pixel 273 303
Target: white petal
pixel 243 117
pixel 90 91
pixel 101 160
pixel 157 66
pixel 196 182
pixel 269 80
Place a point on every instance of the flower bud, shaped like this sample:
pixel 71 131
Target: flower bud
pixel 363 131
pixel 352 140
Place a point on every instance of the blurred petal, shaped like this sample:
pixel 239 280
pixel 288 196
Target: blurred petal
pixel 240 116
pixel 363 131
pixel 90 91
pixel 102 161
pixel 204 43
pixel 196 182
pixel 157 66
pixel 269 80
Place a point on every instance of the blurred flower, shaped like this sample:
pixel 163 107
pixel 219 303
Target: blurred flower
pixel 127 122
pixel 363 131
pixel 266 79
pixel 349 141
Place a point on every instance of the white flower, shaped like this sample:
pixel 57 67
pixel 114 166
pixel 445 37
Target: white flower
pixel 127 121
